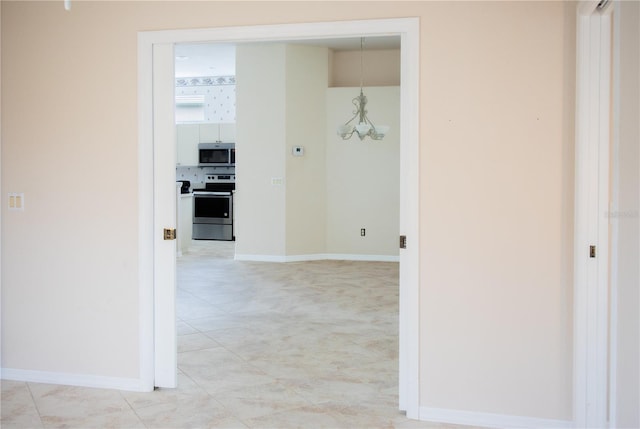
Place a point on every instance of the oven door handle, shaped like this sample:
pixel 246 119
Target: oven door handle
pixel 212 193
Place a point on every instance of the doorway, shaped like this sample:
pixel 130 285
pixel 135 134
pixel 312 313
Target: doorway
pixel 157 167
pixel 302 333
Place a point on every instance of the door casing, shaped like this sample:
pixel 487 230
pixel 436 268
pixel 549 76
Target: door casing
pixel 157 128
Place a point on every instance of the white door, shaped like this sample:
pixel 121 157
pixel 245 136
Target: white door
pixel 591 252
pixel 164 159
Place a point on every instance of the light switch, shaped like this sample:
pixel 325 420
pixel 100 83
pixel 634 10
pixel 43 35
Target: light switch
pixel 277 181
pixel 16 201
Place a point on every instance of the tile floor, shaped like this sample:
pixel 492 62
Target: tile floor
pixel 261 345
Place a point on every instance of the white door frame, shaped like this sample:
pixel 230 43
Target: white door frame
pixel 591 274
pixel 156 370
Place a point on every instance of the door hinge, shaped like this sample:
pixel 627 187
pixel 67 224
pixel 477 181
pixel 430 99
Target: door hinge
pixel 592 251
pixel 169 233
pixel 403 241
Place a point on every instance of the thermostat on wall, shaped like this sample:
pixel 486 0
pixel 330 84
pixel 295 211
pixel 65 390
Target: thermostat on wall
pixel 298 151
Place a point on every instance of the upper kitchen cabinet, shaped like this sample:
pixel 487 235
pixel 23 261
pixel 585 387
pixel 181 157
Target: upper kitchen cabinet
pixel 212 133
pixel 188 137
pixel 228 132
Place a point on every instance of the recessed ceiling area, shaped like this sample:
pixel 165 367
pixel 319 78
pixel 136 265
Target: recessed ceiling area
pixel 195 60
pixel 218 59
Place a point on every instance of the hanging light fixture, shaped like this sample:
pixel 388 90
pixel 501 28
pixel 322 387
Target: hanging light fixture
pixel 363 127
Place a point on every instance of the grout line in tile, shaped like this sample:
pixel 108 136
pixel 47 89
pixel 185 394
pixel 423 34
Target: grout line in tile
pixel 35 404
pixel 133 409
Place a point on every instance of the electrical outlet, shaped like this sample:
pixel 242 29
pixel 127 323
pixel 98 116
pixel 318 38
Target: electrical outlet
pixel 363 232
pixel 16 201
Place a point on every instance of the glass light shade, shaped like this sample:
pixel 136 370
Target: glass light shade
pixel 380 132
pixel 382 129
pixel 363 128
pixel 344 130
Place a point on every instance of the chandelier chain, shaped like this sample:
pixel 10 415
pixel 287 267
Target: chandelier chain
pixel 361 63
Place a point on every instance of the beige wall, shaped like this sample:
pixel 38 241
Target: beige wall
pixel 624 218
pixel 381 67
pixel 496 307
pixel 496 297
pixel 69 269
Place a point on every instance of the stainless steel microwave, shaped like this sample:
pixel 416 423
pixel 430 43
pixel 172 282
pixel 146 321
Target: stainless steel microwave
pixel 216 154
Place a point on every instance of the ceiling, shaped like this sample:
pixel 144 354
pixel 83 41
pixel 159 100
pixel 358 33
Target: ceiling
pixel 218 59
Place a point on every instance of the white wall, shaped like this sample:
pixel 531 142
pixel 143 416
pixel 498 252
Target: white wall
pixel 624 218
pixel 332 191
pixel 261 144
pixel 363 176
pixel 307 74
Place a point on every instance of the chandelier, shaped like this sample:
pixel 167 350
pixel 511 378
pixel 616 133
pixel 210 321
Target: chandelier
pixel 363 127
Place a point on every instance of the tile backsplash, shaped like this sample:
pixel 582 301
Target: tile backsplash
pixel 197 175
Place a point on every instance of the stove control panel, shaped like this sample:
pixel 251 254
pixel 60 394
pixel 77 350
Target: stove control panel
pixel 225 178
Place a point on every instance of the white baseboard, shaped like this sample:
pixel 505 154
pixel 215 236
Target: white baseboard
pixel 82 380
pixel 371 258
pixel 501 421
pixel 260 258
pixel 317 257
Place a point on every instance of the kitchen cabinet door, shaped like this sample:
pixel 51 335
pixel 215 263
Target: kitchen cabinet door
pixel 228 132
pixel 188 136
pixel 212 133
pixel 208 133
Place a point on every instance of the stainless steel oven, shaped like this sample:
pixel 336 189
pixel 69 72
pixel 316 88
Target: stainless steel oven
pixel 212 215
